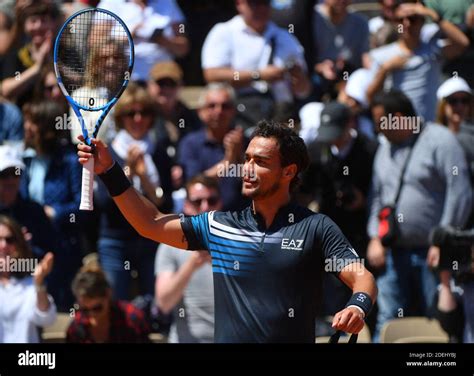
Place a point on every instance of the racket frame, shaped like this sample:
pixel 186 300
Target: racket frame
pixel 88 168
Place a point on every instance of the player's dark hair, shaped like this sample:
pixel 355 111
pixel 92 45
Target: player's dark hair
pixel 292 147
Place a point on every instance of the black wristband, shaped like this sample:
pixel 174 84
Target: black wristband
pixel 361 300
pixel 115 180
pixel 440 18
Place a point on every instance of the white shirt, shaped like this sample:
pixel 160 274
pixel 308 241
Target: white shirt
pixel 234 45
pixel 19 314
pixel 159 14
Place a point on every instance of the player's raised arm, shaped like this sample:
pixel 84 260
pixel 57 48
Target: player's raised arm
pixel 145 218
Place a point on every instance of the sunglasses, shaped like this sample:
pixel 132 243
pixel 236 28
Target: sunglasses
pixel 132 113
pixel 94 309
pixel 166 82
pixel 8 239
pixel 454 101
pixel 211 201
pixel 412 19
pixel 225 105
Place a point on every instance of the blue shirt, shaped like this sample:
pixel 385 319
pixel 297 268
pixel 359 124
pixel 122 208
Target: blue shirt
pixel 419 77
pixel 267 281
pixel 197 153
pixel 11 123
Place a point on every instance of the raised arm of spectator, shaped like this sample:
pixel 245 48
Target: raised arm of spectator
pixel 458 40
pixel 178 44
pixel 13 87
pixel 170 284
pixel 233 145
pixel 382 73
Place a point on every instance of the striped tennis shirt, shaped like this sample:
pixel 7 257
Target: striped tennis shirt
pixel 267 281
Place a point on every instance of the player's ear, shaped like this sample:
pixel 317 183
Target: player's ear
pixel 290 170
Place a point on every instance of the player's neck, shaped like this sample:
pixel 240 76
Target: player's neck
pixel 269 207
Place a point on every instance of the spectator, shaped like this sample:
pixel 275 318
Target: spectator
pixel 454 10
pixel 121 249
pixel 47 88
pixel 158 31
pixel 342 42
pixel 100 318
pixel 26 304
pixel 411 64
pixel 216 147
pixel 297 17
pixel 11 123
pixel 354 95
pixel 174 119
pixel 263 62
pixel 387 16
pixel 201 16
pixel 337 181
pixel 39 20
pixel 52 178
pixel 434 190
pixel 184 282
pixel 7 16
pixel 455 103
pixel 30 215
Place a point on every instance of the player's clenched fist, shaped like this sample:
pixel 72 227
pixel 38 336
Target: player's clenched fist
pixel 349 320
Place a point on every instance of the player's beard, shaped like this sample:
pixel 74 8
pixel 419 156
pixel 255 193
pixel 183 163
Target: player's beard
pixel 260 194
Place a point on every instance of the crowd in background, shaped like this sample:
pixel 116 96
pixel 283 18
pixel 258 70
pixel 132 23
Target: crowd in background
pixel 381 97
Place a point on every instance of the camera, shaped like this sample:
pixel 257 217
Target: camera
pixel 456 251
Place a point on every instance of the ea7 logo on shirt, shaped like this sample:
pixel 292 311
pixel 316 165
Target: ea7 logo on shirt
pixel 37 359
pixel 292 244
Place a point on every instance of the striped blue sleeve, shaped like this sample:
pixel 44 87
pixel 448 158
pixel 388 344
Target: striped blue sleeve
pixel 196 231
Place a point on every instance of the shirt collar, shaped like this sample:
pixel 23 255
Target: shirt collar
pixel 242 26
pixel 281 217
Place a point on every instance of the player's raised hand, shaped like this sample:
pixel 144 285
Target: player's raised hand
pixel 102 157
pixel 349 320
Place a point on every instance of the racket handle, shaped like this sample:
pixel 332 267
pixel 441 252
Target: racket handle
pixel 87 185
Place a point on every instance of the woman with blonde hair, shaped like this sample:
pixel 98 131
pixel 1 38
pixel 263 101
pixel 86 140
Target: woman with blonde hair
pixel 24 302
pixel 148 169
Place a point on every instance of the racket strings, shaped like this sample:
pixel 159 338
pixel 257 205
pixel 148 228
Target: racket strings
pixel 93 58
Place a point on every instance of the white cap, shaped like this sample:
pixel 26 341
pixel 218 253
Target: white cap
pixel 357 85
pixel 10 157
pixel 451 86
pixel 310 116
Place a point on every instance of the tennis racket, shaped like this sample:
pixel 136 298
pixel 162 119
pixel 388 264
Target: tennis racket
pixel 93 61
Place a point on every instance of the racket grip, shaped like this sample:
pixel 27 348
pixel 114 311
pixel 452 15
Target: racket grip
pixel 87 189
